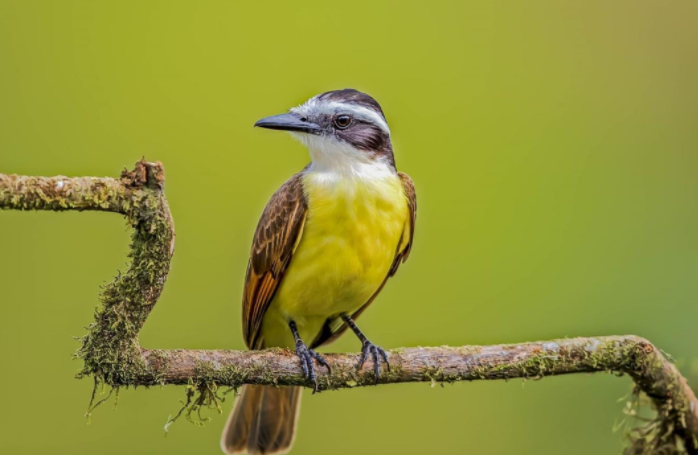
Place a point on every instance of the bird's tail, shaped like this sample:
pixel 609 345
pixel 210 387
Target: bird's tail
pixel 263 421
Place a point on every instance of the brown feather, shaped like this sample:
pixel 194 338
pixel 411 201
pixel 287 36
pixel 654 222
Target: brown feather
pixel 275 239
pixel 263 421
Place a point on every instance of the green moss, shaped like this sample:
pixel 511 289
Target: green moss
pixel 658 434
pixel 649 434
pixel 343 376
pixel 110 350
pixel 203 391
pixel 102 388
pixel 199 395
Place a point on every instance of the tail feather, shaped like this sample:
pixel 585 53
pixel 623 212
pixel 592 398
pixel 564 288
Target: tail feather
pixel 263 421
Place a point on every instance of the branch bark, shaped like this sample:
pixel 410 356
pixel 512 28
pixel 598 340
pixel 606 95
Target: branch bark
pixel 112 354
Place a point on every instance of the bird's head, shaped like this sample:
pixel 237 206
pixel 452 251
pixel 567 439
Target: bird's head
pixel 342 129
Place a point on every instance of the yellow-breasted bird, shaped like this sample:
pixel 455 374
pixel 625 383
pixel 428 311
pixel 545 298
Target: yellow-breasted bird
pixel 325 245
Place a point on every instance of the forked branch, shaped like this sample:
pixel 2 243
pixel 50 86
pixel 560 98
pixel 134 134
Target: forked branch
pixel 112 354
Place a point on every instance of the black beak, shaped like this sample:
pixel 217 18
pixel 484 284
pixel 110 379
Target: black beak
pixel 288 122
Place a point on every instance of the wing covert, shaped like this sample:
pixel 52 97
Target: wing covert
pixel 278 233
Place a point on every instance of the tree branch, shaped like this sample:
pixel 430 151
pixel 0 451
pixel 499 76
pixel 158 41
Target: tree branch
pixel 111 353
pixel 110 350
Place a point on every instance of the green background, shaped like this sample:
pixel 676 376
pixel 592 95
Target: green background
pixel 554 149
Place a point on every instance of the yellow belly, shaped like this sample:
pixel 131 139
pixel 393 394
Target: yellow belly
pixel 348 245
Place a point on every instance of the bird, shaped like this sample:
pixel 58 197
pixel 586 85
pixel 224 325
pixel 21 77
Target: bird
pixel 325 245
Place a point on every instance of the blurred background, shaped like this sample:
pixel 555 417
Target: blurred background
pixel 553 146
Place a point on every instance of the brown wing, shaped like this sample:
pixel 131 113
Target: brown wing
pixel 335 327
pixel 277 235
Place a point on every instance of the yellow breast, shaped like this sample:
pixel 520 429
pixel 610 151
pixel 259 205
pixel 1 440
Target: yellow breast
pixel 348 245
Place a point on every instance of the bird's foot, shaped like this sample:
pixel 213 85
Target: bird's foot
pixel 306 356
pixel 370 349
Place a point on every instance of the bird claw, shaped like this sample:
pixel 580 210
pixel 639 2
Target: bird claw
pixel 306 356
pixel 370 349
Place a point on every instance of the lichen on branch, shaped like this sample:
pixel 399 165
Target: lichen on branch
pixel 112 355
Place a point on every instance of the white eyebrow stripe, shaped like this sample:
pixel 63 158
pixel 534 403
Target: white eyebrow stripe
pixel 333 107
pixel 360 112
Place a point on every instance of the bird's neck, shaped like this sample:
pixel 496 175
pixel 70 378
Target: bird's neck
pixel 366 190
pixel 342 162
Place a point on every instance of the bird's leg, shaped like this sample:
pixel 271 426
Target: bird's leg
pixel 307 355
pixel 367 348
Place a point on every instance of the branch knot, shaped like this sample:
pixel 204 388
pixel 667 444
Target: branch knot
pixel 150 175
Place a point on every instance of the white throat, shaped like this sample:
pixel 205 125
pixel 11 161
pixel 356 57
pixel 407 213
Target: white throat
pixel 333 160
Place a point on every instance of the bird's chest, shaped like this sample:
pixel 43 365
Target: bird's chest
pixel 364 220
pixel 351 234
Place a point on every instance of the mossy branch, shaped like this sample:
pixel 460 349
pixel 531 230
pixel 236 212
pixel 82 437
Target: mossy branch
pixel 112 354
pixel 110 350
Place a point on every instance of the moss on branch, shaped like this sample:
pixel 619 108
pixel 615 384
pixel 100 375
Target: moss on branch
pixel 110 349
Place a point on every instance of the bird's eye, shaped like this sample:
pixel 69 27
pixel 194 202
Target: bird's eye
pixel 342 121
